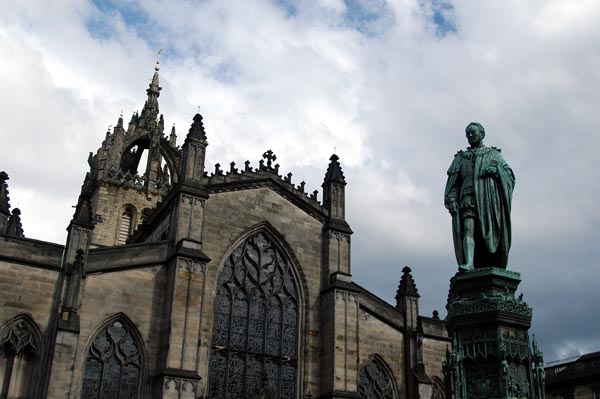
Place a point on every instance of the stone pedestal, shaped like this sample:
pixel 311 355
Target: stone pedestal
pixel 491 355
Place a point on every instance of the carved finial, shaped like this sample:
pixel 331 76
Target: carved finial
pixel 301 186
pixel 247 167
pixel 14 227
pixel 314 194
pixel 197 129
pixel 218 171
pixel 77 263
pixel 270 157
pixel 4 200
pixel 120 120
pixel 334 171
pixel 173 137
pixel 407 286
pixel 436 315
pixel 288 177
pixel 232 169
pixel 157 66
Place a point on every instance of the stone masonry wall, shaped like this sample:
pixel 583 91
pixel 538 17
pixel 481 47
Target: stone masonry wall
pixel 138 293
pixel 435 342
pixel 27 290
pixel 109 204
pixel 378 337
pixel 228 217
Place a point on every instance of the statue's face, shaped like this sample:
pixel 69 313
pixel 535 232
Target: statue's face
pixel 474 136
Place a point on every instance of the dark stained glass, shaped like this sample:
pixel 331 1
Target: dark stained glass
pixel 255 337
pixel 374 382
pixel 113 366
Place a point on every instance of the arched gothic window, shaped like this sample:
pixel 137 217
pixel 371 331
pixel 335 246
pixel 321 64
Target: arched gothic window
pixel 375 381
pixel 437 388
pixel 125 225
pixel 255 337
pixel 20 345
pixel 114 363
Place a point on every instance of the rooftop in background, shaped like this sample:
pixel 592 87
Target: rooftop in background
pixel 576 369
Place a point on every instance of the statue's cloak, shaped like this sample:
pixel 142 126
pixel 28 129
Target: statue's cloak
pixel 493 196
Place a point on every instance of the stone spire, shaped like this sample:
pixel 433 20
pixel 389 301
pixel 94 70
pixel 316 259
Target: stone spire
pixel 194 152
pixel 407 286
pixel 83 215
pixel 150 111
pixel 14 227
pixel 407 302
pixel 334 171
pixel 196 131
pixel 173 137
pixel 334 195
pixel 4 201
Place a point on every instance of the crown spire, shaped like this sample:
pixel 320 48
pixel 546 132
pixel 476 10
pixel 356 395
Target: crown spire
pixel 150 111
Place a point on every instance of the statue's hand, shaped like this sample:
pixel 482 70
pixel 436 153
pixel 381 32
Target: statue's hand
pixel 490 171
pixel 453 207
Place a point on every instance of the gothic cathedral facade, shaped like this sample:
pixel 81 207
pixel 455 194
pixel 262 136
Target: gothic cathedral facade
pixel 181 283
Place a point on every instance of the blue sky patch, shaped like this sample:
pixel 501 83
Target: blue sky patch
pixel 289 6
pixel 131 12
pixel 443 17
pixel 365 15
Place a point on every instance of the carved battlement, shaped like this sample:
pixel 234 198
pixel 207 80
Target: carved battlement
pixel 267 173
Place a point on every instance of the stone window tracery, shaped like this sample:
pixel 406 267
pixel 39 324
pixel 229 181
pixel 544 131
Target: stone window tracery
pixel 20 345
pixel 375 381
pixel 437 388
pixel 113 367
pixel 255 337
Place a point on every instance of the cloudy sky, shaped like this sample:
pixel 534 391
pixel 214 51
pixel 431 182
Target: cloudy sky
pixel 389 85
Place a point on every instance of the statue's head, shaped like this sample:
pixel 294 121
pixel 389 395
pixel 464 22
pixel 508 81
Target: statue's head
pixel 475 133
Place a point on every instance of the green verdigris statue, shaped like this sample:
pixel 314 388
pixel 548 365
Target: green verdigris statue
pixel 478 195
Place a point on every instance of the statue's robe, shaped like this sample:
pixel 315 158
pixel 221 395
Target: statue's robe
pixel 493 196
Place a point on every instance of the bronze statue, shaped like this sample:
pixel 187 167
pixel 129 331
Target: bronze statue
pixel 478 195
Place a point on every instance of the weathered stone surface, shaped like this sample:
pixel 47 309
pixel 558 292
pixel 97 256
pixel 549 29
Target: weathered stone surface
pixel 163 283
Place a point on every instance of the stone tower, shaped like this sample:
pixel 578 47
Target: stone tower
pixel 132 171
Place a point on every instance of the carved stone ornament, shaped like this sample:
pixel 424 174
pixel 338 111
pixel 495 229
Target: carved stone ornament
pixel 374 381
pixel 20 337
pixel 190 199
pixel 114 360
pixel 255 323
pixel 191 266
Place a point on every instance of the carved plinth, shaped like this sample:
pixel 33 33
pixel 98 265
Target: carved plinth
pixel 491 355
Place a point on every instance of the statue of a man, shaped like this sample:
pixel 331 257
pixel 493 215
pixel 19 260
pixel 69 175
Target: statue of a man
pixel 478 195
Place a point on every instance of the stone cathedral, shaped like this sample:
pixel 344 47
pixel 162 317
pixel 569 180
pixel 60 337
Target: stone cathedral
pixel 183 281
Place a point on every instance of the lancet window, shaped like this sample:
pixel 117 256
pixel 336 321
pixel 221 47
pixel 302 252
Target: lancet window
pixel 437 388
pixel 20 346
pixel 125 225
pixel 255 337
pixel 374 380
pixel 114 364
